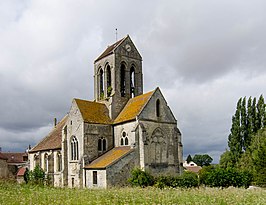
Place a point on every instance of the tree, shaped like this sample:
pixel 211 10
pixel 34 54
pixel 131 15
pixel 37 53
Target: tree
pixel 189 158
pixel 235 139
pixel 202 160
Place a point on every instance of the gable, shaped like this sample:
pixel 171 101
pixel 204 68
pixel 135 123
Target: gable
pixel 149 111
pixel 120 47
pixel 93 112
pixel 109 50
pixel 53 140
pixel 133 108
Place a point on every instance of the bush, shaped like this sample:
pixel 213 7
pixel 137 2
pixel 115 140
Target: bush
pixel 141 178
pixel 186 180
pixel 37 176
pixel 220 177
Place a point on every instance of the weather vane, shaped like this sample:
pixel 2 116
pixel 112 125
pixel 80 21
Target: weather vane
pixel 116 34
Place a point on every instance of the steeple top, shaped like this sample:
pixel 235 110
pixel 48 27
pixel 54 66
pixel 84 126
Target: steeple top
pixel 110 49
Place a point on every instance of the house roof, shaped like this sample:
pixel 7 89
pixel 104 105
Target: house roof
pixel 93 112
pixel 53 140
pixel 21 171
pixel 194 169
pixel 2 156
pixel 133 108
pixel 110 49
pixel 14 157
pixel 109 158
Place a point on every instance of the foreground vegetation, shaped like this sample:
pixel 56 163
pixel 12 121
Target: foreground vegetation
pixel 11 193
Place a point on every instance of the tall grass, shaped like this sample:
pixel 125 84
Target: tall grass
pixel 12 193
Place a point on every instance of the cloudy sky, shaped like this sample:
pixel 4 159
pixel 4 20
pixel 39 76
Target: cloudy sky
pixel 204 55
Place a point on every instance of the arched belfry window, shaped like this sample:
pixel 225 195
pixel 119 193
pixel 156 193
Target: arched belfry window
pixel 74 149
pixel 123 79
pixel 101 86
pixel 158 108
pixel 124 139
pixel 109 80
pixel 102 144
pixel 132 81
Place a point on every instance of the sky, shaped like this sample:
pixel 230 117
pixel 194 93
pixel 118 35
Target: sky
pixel 204 55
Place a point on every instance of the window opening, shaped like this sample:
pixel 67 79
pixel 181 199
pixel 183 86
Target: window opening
pixel 74 149
pixel 158 108
pixel 59 162
pixel 102 144
pixel 124 139
pixel 94 177
pixel 123 80
pixel 46 162
pixel 101 84
pixel 109 80
pixel 132 82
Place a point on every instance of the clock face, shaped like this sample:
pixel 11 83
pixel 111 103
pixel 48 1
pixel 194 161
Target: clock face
pixel 128 48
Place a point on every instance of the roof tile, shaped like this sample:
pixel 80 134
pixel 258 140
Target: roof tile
pixel 53 140
pixel 109 158
pixel 93 112
pixel 133 108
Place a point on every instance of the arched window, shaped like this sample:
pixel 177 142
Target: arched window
pixel 101 86
pixel 102 144
pixel 158 147
pixel 46 162
pixel 158 108
pixel 132 81
pixel 123 79
pixel 109 80
pixel 74 149
pixel 124 139
pixel 59 162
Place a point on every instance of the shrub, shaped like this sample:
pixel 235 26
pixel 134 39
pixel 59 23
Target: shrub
pixel 220 177
pixel 141 178
pixel 37 176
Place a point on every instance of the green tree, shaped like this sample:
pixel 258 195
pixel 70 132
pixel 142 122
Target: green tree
pixel 226 160
pixel 189 158
pixel 235 139
pixel 202 160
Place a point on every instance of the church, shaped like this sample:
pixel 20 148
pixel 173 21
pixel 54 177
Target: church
pixel 99 142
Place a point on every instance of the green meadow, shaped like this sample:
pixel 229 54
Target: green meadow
pixel 12 193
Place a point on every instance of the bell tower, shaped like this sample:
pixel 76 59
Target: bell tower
pixel 118 75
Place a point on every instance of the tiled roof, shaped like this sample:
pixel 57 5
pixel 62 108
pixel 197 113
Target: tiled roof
pixel 93 112
pixel 21 171
pixel 14 157
pixel 194 169
pixel 109 158
pixel 53 140
pixel 133 108
pixel 2 156
pixel 110 49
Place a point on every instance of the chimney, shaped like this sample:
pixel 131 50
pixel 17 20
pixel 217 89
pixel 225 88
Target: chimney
pixel 55 121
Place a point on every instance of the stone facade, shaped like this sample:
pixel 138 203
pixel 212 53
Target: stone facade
pixel 101 141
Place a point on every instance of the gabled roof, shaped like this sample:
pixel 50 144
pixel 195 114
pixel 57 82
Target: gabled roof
pixel 110 49
pixel 133 108
pixel 14 157
pixel 53 140
pixel 93 112
pixel 109 158
pixel 194 169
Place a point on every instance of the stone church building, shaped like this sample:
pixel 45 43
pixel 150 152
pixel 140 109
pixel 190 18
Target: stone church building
pixel 99 142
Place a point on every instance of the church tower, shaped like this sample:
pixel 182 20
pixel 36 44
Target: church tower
pixel 118 75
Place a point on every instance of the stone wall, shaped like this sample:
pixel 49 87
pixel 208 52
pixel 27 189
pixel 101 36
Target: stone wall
pixel 118 173
pixel 3 168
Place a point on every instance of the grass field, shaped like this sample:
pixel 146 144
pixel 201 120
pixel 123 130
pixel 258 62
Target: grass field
pixel 11 193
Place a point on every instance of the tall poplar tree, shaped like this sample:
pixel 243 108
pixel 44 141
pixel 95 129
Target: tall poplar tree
pixel 234 139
